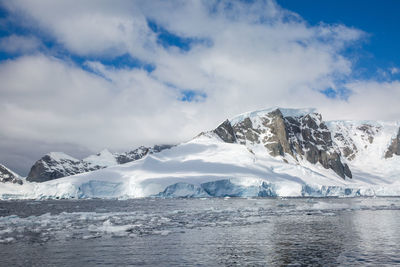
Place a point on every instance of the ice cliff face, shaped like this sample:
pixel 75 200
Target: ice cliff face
pixel 300 134
pixel 57 164
pixel 8 176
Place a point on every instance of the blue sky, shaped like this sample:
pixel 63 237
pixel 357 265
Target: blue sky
pixel 374 57
pixel 147 72
pixel 379 19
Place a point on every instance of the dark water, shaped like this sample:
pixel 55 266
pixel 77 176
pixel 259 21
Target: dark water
pixel 201 232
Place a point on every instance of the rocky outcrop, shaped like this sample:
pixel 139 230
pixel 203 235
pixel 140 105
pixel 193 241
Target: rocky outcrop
pixel 139 153
pixel 348 148
pixel 8 176
pixel 394 147
pixel 302 136
pixel 368 132
pixel 225 132
pixel 311 138
pixel 133 155
pixel 57 165
pixel 353 138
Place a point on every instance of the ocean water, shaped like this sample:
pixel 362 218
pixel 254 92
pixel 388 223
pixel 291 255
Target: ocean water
pixel 201 232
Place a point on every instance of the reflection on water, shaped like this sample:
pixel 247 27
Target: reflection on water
pixel 209 232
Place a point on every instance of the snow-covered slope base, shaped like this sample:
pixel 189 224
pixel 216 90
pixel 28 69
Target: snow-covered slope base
pixel 207 167
pixel 245 157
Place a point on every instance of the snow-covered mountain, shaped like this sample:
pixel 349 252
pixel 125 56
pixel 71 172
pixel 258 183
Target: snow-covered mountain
pixel 301 134
pixel 8 176
pixel 56 165
pixel 273 152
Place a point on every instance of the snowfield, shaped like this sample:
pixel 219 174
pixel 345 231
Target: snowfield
pixel 208 167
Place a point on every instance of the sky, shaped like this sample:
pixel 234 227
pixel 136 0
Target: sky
pixel 79 78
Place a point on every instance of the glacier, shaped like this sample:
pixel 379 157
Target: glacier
pixel 208 166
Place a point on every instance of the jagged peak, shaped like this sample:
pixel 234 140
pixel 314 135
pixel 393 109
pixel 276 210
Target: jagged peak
pixel 57 156
pixel 4 168
pixel 286 112
pixel 105 151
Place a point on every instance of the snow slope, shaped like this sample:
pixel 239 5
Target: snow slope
pixel 104 158
pixel 369 141
pixel 56 165
pixel 287 112
pixel 209 167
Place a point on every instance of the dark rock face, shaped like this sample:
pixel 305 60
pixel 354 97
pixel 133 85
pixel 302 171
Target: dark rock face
pixel 349 149
pixel 7 176
pixel 49 168
pixel 312 138
pixel 225 132
pixel 133 155
pixel 159 148
pixel 368 131
pixel 394 148
pixel 139 153
pixel 304 136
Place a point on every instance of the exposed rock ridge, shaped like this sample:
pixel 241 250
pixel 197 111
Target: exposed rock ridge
pixel 8 176
pixel 51 167
pixel 139 153
pixel 303 137
pixel 394 147
pixel 352 137
pixel 226 132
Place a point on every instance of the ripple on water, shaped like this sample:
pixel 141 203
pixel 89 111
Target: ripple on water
pixel 301 230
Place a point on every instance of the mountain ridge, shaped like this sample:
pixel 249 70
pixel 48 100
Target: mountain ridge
pixel 56 165
pixel 263 153
pixel 8 176
pixel 298 133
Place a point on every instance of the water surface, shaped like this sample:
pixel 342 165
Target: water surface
pixel 201 232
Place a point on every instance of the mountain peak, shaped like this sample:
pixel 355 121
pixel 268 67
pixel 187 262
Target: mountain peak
pixel 300 133
pixel 286 112
pixel 269 152
pixel 7 175
pixel 57 156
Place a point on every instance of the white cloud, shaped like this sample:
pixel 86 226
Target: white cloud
pixel 56 101
pixel 261 55
pixel 394 70
pixel 374 100
pixel 16 44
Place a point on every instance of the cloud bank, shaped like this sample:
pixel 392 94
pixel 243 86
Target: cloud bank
pixel 119 74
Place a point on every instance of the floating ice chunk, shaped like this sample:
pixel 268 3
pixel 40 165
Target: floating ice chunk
pixel 7 240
